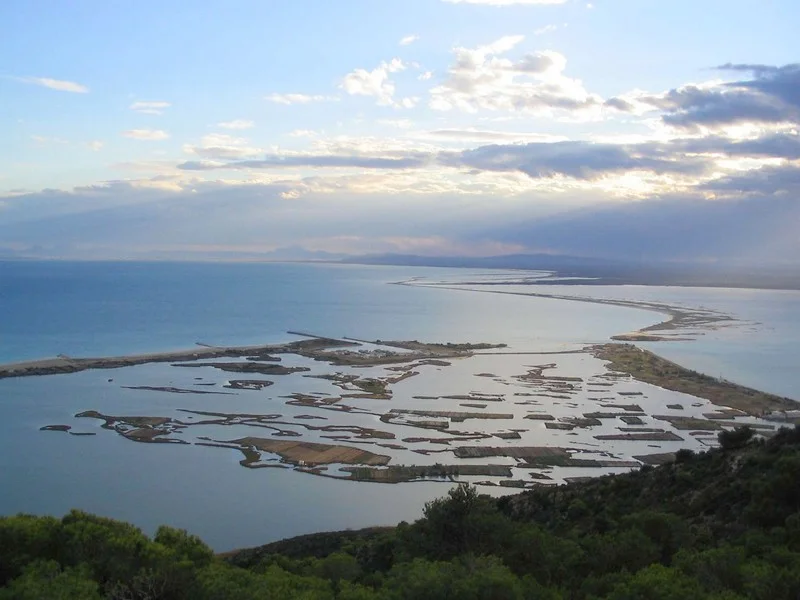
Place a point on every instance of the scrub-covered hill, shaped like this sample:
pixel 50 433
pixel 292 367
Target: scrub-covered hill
pixel 721 525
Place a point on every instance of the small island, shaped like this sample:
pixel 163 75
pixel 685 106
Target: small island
pixel 602 419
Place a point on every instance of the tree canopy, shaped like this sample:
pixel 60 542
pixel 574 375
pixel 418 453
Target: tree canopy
pixel 719 525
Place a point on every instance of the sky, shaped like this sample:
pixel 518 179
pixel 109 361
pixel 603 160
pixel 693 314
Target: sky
pixel 644 129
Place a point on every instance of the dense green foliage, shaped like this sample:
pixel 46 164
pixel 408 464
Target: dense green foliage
pixel 721 525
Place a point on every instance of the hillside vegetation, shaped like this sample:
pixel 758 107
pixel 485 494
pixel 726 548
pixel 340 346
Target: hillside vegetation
pixel 721 525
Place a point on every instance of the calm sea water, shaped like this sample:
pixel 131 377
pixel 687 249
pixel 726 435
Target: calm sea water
pixel 761 349
pixel 84 309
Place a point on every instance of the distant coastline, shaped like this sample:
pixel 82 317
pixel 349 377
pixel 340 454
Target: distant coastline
pixel 578 270
pixel 564 270
pixel 679 318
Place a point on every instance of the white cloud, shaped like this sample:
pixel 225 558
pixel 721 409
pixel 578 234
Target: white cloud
pixel 377 83
pixel 409 39
pixel 150 107
pixel 95 145
pixel 409 102
pixel 425 76
pixel 545 29
pixel 481 79
pixel 485 135
pixel 149 135
pixel 299 98
pixel 505 2
pixel 57 84
pixel 398 123
pixel 303 133
pixel 221 146
pixel 236 124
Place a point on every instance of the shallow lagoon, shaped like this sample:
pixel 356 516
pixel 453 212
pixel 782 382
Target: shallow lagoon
pixel 204 489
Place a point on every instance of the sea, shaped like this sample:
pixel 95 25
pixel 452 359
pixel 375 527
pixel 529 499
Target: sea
pixel 82 309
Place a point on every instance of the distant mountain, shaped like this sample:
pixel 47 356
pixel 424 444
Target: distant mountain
pixel 544 262
pixel 300 253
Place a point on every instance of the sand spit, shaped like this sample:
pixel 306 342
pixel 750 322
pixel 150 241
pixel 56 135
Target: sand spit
pixel 651 368
pixel 67 364
pixel 245 367
pixel 334 351
pixel 173 390
pixel 679 318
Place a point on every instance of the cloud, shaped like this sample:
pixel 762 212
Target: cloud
pixel 489 135
pixel 770 97
pixel 220 146
pixel 511 163
pixel 671 228
pixel 311 161
pixel 578 160
pixel 150 135
pixel 377 83
pixel 409 39
pixel 150 107
pixel 772 145
pixel 425 75
pixel 575 159
pixel 778 180
pixel 299 98
pixel 57 84
pixel 397 123
pixel 95 145
pixel 133 218
pixel 303 133
pixel 236 124
pixel 505 2
pixel 621 104
pixel 545 29
pixel 481 79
